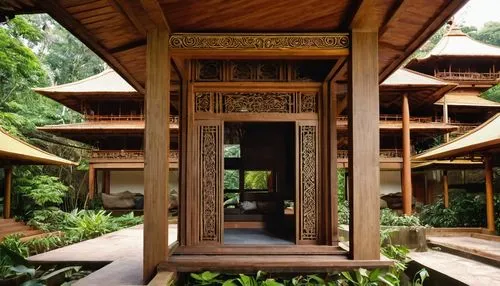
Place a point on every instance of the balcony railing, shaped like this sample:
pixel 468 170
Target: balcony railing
pixel 398 118
pixel 384 153
pixel 88 117
pixel 128 155
pixel 468 76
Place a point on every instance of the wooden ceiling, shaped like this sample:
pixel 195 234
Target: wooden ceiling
pixel 116 29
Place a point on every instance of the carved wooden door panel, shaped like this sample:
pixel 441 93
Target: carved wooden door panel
pixel 209 189
pixel 308 197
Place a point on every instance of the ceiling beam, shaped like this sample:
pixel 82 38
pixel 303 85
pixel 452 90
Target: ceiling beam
pixel 337 70
pixel 156 14
pixel 368 16
pixel 77 29
pixel 136 15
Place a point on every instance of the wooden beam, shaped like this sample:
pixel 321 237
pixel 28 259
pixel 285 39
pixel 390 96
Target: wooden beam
pixel 106 181
pixel 342 105
pixel 407 186
pixel 156 141
pixel 155 12
pixel 91 182
pixel 368 16
pixel 135 13
pixel 364 140
pixel 337 70
pixel 7 191
pixel 332 168
pixel 55 10
pixel 488 175
pixel 445 189
pixel 445 118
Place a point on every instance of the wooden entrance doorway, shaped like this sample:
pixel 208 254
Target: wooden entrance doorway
pixel 270 102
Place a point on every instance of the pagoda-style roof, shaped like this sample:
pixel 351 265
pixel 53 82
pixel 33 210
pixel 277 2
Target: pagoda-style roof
pixel 463 99
pixel 456 45
pixel 14 151
pixel 423 90
pixel 485 137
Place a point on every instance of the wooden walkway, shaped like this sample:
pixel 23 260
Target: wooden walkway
pixel 121 249
pixel 11 226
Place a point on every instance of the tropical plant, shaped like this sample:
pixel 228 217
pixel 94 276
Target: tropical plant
pixel 389 217
pixel 86 224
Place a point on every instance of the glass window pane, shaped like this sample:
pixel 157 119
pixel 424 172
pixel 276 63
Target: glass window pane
pixel 232 151
pixel 231 179
pixel 256 180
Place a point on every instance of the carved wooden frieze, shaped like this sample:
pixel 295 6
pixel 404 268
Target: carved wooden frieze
pixel 209 187
pixel 239 102
pixel 259 41
pixel 308 186
pixel 256 102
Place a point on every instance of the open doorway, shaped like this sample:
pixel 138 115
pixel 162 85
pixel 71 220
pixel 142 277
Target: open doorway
pixel 259 183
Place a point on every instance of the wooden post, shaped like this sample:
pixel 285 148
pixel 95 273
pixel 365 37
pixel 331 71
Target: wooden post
pixel 445 189
pixel 91 181
pixel 8 191
pixel 407 187
pixel 445 118
pixel 106 181
pixel 364 145
pixel 488 174
pixel 156 142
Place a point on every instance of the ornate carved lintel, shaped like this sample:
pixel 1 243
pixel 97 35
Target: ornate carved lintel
pixel 259 41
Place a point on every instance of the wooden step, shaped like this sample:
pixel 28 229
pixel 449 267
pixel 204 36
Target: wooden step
pixel 14 228
pixel 6 221
pixel 24 233
pixel 268 263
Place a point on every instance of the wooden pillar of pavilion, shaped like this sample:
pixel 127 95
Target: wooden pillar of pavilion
pixel 445 189
pixel 92 175
pixel 364 145
pixel 488 174
pixel 407 186
pixel 7 191
pixel 156 159
pixel 445 118
pixel 106 181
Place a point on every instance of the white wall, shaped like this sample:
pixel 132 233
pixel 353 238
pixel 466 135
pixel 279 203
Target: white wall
pixel 390 182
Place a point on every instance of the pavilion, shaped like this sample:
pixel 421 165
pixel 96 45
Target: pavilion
pixel 482 143
pixel 14 151
pixel 246 65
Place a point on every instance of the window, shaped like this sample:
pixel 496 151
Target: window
pixel 232 151
pixel 257 180
pixel 231 179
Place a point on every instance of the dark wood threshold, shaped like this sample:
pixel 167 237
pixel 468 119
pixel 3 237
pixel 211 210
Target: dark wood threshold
pixel 249 249
pixel 269 263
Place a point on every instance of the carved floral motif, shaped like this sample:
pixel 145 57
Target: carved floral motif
pixel 308 187
pixel 208 169
pixel 261 41
pixel 281 102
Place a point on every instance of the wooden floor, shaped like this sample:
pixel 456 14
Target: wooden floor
pixel 11 226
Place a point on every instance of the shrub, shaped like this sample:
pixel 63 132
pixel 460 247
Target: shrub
pixel 343 212
pixel 87 224
pixel 389 217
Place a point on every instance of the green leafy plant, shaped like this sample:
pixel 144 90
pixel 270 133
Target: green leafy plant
pixel 206 278
pixel 14 244
pixel 389 217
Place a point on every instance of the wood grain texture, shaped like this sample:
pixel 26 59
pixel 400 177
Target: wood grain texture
pixel 406 184
pixel 490 208
pixel 7 191
pixel 445 189
pixel 364 175
pixel 91 182
pixel 156 141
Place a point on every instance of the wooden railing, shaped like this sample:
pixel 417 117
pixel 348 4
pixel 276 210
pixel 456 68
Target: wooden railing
pixel 397 117
pixel 384 153
pixel 128 155
pixel 468 76
pixel 88 117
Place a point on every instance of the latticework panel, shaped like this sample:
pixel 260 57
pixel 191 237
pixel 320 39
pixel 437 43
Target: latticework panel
pixel 209 184
pixel 308 183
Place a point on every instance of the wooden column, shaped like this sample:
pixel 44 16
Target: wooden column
pixel 488 174
pixel 445 189
pixel 445 118
pixel 106 181
pixel 364 145
pixel 8 191
pixel 156 142
pixel 91 181
pixel 407 187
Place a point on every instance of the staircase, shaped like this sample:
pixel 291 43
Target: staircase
pixel 11 226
